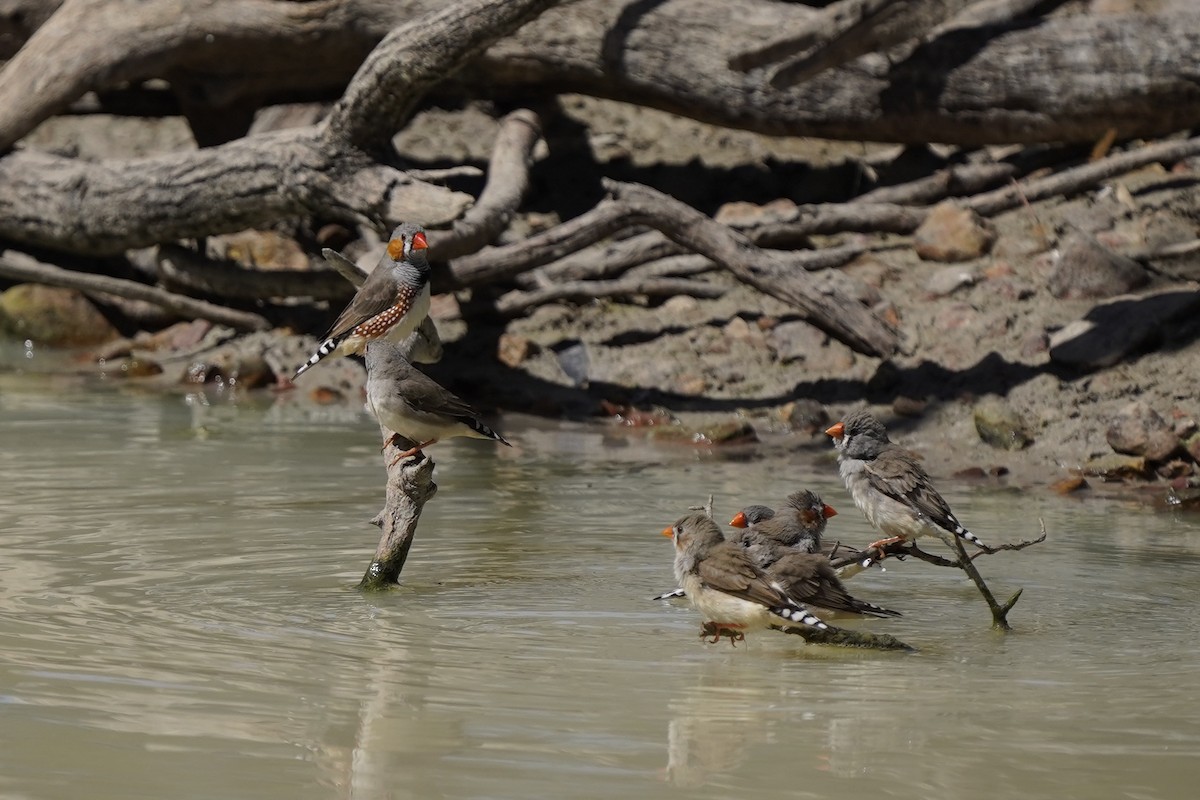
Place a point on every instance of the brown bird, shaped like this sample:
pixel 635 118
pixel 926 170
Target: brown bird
pixel 809 578
pixel 412 405
pixel 798 527
pixel 723 584
pixel 390 304
pixel 890 486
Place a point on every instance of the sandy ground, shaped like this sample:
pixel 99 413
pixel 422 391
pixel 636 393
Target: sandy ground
pixel 973 332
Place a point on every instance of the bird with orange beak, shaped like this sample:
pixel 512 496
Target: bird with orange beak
pixel 889 485
pixel 391 303
pixel 721 581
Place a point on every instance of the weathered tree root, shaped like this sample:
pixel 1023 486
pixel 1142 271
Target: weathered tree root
pixel 844 637
pixel 409 486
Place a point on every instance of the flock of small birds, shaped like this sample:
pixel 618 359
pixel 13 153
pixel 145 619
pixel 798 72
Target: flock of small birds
pixel 771 575
pixel 776 573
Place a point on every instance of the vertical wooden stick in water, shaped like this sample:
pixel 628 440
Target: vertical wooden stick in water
pixel 409 486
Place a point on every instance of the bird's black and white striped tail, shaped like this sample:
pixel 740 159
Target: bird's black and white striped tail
pixel 800 616
pixel 326 347
pixel 671 595
pixel 484 430
pixel 958 530
pixel 863 607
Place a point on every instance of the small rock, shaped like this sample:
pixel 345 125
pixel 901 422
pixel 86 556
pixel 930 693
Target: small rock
pixel 1113 467
pixel 952 233
pixel 444 307
pixel 738 329
pixel 1175 468
pixel 948 280
pixel 971 474
pixel 1000 426
pixel 1192 445
pixel 1075 483
pixel 1035 344
pixel 1086 269
pixel 795 340
pixel 512 350
pixel 909 406
pixel 691 384
pixel 887 312
pixel 720 433
pixel 574 361
pixel 1183 423
pixel 830 281
pixel 1138 430
pixel 742 214
pixel 678 306
pixel 261 249
pixel 807 416
pixel 54 317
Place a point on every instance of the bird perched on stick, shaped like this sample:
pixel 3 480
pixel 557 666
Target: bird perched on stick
pixel 798 527
pixel 414 406
pixel 725 586
pixel 890 486
pixel 812 580
pixel 390 304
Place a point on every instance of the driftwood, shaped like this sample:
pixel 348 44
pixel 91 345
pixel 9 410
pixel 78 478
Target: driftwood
pixel 964 561
pixel 1066 78
pixel 409 486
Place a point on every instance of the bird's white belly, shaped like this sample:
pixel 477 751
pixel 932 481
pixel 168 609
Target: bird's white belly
pixel 395 414
pixel 716 606
pixel 888 516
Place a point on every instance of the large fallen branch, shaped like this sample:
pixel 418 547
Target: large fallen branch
pixel 1065 78
pixel 333 169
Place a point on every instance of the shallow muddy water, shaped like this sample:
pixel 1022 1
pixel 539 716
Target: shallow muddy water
pixel 178 619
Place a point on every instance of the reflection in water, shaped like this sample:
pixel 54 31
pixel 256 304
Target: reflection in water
pixel 177 619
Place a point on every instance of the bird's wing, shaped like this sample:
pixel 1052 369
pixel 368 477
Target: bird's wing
pixel 729 570
pixel 898 474
pixel 376 295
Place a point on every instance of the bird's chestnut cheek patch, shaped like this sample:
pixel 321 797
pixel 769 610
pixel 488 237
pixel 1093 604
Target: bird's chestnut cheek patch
pixel 395 248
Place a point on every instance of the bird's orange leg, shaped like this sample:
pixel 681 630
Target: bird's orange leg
pixel 412 451
pixel 717 630
pixel 882 543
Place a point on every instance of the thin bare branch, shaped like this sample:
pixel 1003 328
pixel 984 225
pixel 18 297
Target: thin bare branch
pixel 23 267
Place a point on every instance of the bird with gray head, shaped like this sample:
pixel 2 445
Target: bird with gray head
pixel 391 303
pixel 799 527
pixel 723 584
pixel 413 406
pixel 889 485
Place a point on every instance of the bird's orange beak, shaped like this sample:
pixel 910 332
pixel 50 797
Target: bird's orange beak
pixel 829 511
pixel 419 241
pixel 739 521
pixel 836 430
pixel 668 532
